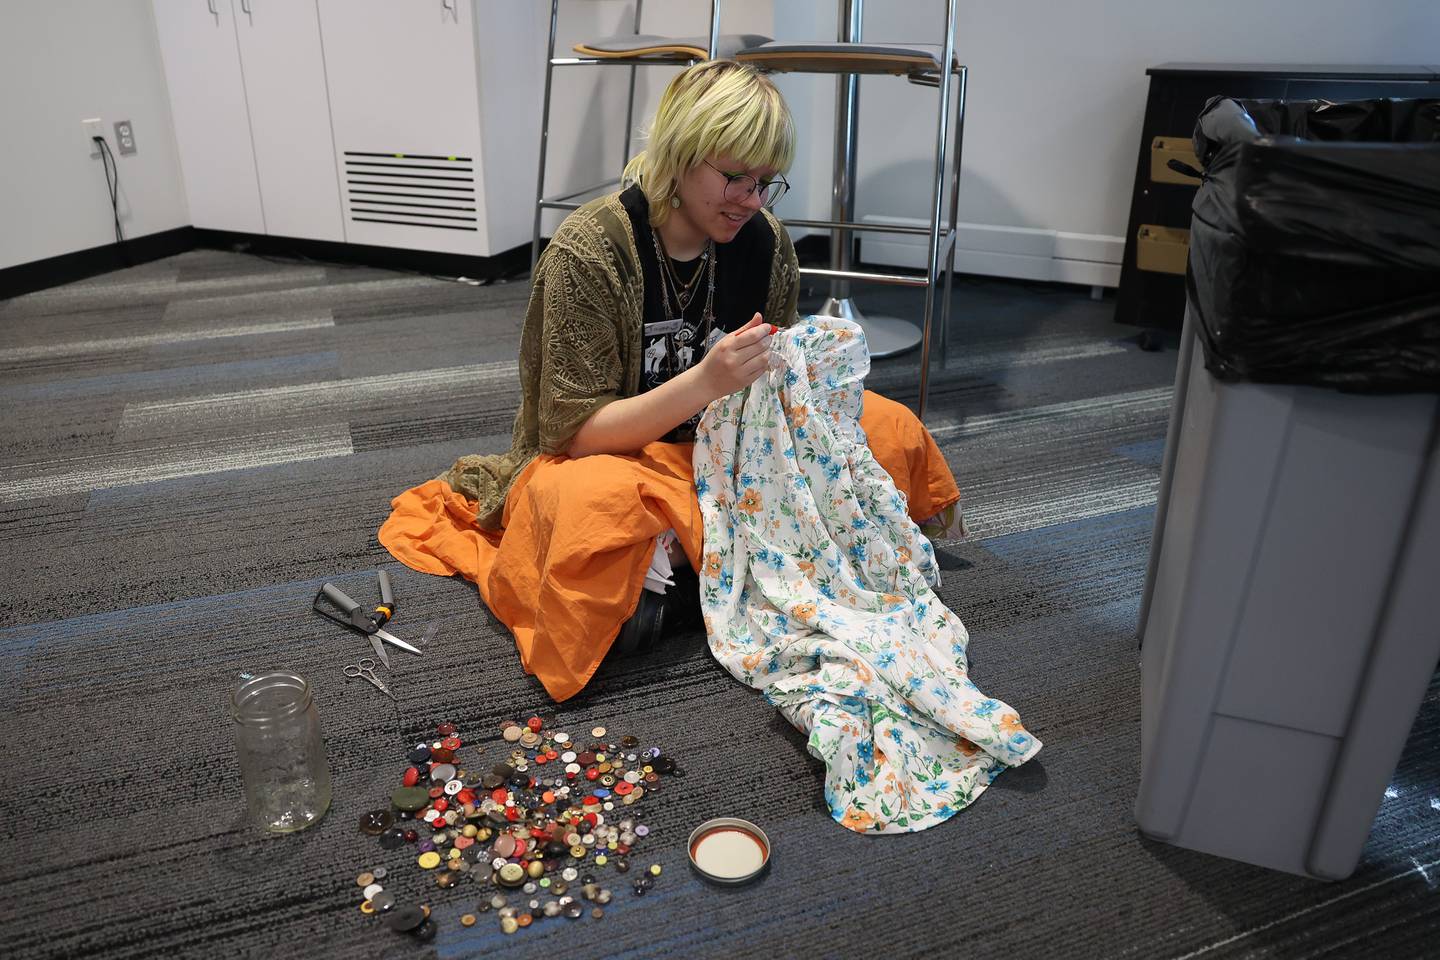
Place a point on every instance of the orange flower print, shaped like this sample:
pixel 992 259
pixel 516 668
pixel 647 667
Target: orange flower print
pixel 902 554
pixel 1010 724
pixel 751 502
pixel 803 611
pixel 712 565
pixel 797 415
pixel 857 820
pixel 806 567
pixel 892 598
pixel 966 747
pixel 752 660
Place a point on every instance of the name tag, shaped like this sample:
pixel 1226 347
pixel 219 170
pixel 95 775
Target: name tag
pixel 663 328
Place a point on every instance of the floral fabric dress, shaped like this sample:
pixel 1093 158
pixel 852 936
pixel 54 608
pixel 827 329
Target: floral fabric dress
pixel 817 591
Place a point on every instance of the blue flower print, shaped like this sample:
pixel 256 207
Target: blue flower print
pixel 702 485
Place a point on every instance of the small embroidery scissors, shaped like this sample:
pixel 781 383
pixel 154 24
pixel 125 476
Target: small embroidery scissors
pixel 365 668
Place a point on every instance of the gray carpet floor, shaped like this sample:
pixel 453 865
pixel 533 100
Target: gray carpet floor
pixel 191 446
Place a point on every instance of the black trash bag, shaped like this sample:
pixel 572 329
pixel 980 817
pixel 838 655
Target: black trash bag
pixel 1315 243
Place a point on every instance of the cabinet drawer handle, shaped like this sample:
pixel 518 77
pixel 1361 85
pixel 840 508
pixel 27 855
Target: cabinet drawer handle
pixel 245 7
pixel 211 5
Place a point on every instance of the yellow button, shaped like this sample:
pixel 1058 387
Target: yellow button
pixel 429 860
pixel 577 851
pixel 601 859
pixel 654 869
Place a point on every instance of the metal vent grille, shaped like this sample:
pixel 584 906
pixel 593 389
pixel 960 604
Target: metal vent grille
pixel 411 190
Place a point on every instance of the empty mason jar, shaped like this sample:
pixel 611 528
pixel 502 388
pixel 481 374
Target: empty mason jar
pixel 282 752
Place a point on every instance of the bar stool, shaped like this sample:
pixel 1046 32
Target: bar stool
pixel 634 49
pixel 921 64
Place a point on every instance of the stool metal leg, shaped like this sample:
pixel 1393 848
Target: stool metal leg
pixel 630 100
pixel 954 214
pixel 544 136
pixel 886 336
pixel 942 137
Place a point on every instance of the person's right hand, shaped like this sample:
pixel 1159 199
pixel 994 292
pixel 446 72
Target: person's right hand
pixel 738 358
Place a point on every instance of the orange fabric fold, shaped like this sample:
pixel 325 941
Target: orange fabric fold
pixel 567 570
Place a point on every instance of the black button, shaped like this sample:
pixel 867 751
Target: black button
pixel 404 919
pixel 376 822
pixel 420 754
pixel 392 839
pixel 425 932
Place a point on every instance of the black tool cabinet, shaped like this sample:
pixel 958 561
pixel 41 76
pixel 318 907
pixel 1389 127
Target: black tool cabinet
pixel 1153 295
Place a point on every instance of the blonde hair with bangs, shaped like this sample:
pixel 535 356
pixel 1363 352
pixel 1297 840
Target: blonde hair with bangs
pixel 716 108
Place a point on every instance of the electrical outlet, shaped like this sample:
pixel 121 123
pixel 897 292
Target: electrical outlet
pixel 125 136
pixel 94 127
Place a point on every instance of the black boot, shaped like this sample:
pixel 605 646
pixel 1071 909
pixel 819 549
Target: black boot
pixel 643 631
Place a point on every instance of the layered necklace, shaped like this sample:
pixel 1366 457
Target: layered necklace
pixel 684 334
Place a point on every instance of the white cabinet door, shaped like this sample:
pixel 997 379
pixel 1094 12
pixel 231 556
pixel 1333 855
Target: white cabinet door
pixel 284 70
pixel 207 102
pixel 404 103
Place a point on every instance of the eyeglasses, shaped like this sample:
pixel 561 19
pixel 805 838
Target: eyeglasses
pixel 740 186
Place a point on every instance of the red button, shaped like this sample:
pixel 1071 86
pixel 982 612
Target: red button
pixel 548 796
pixel 551 755
pixel 592 801
pixel 412 777
pixel 451 743
pixel 590 818
pixel 592 774
pixel 441 805
pixel 446 729
pixel 540 758
pixel 511 813
pixel 623 787
pixel 534 724
pixel 436 792
pixel 499 794
pixel 465 796
pixel 520 848
pixel 622 848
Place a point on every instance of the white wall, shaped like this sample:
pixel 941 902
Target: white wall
pixel 61 61
pixel 1057 93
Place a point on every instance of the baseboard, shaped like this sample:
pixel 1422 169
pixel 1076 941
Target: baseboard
pixel 506 264
pixel 1017 252
pixel 84 264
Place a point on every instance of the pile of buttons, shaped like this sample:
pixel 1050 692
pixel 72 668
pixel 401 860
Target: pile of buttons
pixel 539 825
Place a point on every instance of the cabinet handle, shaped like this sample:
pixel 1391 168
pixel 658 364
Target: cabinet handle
pixel 450 5
pixel 245 7
pixel 211 5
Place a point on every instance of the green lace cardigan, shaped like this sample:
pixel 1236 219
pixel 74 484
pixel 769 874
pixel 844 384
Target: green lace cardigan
pixel 580 347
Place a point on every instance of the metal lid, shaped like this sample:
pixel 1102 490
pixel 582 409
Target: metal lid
pixel 729 851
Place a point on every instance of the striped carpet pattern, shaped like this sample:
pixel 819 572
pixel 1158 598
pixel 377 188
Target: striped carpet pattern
pixel 191 447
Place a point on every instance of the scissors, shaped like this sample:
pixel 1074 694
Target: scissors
pixel 366 668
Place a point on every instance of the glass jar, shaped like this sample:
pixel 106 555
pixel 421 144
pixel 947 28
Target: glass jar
pixel 281 751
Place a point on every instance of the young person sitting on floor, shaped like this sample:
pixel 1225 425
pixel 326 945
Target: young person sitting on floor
pixel 647 305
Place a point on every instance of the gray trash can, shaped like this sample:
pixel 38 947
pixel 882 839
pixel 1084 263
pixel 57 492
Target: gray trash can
pixel 1291 618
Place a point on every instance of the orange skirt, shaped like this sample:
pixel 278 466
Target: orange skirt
pixel 566 571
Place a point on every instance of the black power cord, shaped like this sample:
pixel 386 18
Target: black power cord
pixel 112 183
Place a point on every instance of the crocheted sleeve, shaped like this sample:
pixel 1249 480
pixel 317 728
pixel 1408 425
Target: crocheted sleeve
pixel 784 290
pixel 580 363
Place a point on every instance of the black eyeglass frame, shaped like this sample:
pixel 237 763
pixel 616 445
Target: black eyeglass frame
pixel 733 178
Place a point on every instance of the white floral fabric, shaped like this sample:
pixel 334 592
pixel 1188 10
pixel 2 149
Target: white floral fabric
pixel 817 590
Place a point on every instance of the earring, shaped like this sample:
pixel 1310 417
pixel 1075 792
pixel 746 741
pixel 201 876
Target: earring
pixel 675 201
